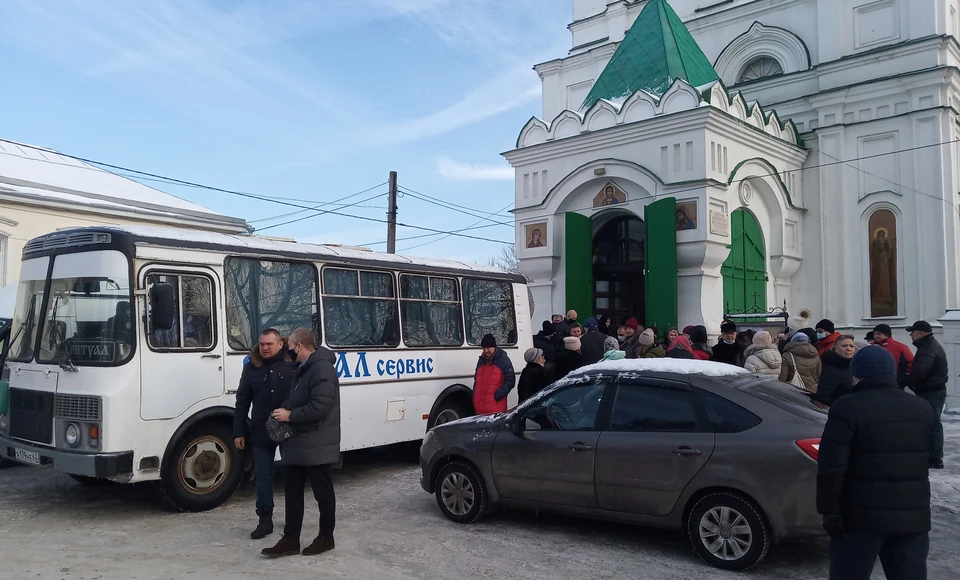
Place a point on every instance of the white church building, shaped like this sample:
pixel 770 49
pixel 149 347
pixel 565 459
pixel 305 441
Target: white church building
pixel 698 158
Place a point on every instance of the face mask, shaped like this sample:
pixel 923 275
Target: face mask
pixel 821 335
pixel 622 339
pixel 293 352
pixel 725 341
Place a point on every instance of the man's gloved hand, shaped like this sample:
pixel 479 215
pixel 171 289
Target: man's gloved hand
pixel 833 524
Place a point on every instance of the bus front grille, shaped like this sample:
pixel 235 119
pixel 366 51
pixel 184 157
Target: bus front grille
pixel 31 416
pixel 80 407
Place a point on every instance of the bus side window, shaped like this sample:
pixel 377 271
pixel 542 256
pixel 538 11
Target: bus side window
pixel 193 314
pixel 360 308
pixel 430 310
pixel 489 309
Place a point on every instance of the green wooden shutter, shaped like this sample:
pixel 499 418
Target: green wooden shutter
pixel 578 254
pixel 660 248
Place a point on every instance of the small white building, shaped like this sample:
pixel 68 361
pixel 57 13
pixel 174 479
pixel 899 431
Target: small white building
pixel 700 158
pixel 42 191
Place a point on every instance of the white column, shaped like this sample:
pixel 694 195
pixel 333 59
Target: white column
pixel 951 344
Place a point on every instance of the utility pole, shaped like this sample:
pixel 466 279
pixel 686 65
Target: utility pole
pixel 392 216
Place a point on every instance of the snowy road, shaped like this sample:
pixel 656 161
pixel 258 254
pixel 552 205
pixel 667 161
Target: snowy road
pixel 388 528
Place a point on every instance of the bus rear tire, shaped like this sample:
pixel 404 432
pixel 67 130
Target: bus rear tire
pixel 451 408
pixel 203 469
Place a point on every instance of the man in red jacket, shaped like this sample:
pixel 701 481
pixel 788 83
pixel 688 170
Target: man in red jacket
pixel 882 337
pixel 494 378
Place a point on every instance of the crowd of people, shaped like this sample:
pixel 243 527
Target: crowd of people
pixel 814 358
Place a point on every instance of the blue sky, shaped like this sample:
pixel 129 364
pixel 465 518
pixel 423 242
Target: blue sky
pixel 295 99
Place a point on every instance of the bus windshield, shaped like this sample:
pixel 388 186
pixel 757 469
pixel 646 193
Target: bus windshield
pixel 88 318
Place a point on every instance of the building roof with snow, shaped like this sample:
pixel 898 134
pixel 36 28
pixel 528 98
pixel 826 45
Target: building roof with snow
pixel 31 175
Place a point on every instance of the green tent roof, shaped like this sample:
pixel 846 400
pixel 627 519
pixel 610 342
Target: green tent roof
pixel 657 50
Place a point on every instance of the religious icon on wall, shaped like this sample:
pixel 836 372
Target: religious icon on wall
pixel 883 263
pixel 609 195
pixel 536 235
pixel 686 216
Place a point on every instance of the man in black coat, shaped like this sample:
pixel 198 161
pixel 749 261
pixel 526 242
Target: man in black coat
pixel 872 484
pixel 549 342
pixel 928 379
pixel 591 343
pixel 265 383
pixel 313 411
pixel 727 349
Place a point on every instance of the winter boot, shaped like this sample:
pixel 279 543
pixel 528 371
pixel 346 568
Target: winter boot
pixel 265 527
pixel 320 545
pixel 285 547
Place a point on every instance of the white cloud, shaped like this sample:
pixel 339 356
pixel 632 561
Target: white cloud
pixel 459 171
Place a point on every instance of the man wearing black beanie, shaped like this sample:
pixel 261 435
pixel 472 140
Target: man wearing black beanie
pixel 873 489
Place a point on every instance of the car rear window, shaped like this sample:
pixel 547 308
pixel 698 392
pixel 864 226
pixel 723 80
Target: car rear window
pixel 785 397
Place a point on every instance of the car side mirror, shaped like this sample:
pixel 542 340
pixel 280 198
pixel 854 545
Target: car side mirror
pixel 162 306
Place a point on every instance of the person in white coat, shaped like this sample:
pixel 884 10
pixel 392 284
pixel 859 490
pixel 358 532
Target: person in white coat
pixel 763 356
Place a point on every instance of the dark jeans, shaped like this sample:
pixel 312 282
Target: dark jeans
pixel 902 557
pixel 936 398
pixel 296 477
pixel 263 468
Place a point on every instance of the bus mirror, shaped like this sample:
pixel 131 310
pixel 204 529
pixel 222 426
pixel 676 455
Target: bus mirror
pixel 162 306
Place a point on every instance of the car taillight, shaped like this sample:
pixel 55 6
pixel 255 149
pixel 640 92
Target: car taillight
pixel 810 446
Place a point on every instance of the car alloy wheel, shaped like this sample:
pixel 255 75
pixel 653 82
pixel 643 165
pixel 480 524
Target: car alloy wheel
pixel 461 492
pixel 725 533
pixel 457 493
pixel 728 530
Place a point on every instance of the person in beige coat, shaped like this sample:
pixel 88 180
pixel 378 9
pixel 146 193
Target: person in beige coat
pixel 763 356
pixel 800 356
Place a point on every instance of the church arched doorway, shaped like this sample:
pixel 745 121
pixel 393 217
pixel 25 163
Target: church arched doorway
pixel 745 270
pixel 618 268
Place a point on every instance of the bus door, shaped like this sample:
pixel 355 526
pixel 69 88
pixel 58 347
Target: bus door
pixel 181 352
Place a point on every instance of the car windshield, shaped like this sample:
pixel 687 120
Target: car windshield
pixel 88 318
pixel 785 397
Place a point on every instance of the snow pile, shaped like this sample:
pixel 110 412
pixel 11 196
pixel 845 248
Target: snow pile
pixel 626 367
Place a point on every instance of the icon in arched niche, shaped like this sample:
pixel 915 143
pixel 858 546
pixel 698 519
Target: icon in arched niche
pixel 610 194
pixel 536 235
pixel 883 263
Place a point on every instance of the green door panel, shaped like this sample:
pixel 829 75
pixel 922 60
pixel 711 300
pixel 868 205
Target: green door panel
pixel 661 263
pixel 578 254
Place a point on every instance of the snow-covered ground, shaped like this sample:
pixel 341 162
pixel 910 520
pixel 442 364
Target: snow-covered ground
pixel 945 483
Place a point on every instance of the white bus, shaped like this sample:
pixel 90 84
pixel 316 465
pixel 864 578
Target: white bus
pixel 127 345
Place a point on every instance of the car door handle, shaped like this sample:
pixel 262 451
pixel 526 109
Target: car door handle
pixel 214 356
pixel 686 451
pixel 581 447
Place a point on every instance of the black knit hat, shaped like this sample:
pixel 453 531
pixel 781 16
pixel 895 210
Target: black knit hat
pixel 728 326
pixel 488 341
pixel 883 329
pixel 826 325
pixel 873 361
pixel 548 328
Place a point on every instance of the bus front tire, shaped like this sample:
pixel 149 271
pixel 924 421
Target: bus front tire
pixel 203 469
pixel 452 407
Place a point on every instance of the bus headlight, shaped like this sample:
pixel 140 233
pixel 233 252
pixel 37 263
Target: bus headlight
pixel 4 423
pixel 72 435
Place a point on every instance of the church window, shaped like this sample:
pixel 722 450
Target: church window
pixel 759 68
pixel 883 263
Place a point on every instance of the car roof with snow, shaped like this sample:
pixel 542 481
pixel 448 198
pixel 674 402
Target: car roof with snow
pixel 636 368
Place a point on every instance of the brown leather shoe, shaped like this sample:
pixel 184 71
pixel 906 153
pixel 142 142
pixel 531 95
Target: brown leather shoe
pixel 320 545
pixel 285 547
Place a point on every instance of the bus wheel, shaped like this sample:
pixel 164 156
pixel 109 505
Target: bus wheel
pixel 203 469
pixel 450 409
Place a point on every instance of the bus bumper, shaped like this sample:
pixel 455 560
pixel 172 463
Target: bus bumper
pixel 115 466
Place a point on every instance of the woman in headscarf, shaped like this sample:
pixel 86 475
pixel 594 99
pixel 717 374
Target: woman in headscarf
pixel 669 337
pixel 533 378
pixel 611 347
pixel 605 325
pixel 680 348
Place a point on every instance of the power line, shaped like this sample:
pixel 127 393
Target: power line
pixel 450 234
pixel 334 202
pixel 319 213
pixel 450 205
pixel 421 236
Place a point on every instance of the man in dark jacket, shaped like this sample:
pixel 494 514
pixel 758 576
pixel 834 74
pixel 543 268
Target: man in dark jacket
pixel 872 484
pixel 549 342
pixel 265 383
pixel 313 411
pixel 494 378
pixel 591 343
pixel 727 349
pixel 928 379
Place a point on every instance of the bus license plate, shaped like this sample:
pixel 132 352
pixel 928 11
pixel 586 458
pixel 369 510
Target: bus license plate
pixel 26 456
